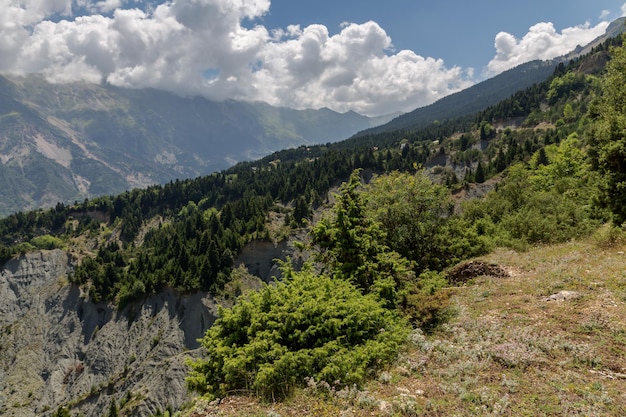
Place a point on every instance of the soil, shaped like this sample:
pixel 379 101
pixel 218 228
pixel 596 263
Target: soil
pixel 462 273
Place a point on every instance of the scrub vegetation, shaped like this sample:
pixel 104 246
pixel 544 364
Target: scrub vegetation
pixel 372 323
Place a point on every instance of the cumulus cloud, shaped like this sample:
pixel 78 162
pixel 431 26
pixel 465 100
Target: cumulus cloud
pixel 351 70
pixel 541 42
pixel 203 47
pixel 173 45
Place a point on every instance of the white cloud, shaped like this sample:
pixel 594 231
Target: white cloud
pixel 352 70
pixel 17 17
pixel 623 9
pixel 541 42
pixel 171 45
pixel 605 14
pixel 106 6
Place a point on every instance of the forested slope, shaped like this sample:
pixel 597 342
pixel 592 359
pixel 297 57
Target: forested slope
pixel 218 214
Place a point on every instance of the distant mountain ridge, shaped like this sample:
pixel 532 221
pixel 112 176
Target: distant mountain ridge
pixel 490 92
pixel 614 29
pixel 66 142
pixel 472 99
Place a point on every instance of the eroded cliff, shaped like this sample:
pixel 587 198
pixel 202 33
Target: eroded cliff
pixel 59 349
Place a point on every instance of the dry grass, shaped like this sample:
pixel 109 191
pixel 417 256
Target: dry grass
pixel 507 350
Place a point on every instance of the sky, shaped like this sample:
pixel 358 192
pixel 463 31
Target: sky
pixel 372 57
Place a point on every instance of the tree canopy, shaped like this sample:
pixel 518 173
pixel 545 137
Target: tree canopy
pixel 609 136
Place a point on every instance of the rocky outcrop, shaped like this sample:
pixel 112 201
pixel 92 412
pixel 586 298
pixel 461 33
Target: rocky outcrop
pixel 59 349
pixel 261 257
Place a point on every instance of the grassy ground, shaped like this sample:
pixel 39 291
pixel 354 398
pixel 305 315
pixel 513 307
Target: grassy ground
pixel 508 349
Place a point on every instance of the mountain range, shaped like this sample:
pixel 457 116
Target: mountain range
pixel 68 142
pixel 104 303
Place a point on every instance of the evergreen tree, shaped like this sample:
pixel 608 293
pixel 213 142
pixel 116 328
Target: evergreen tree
pixel 301 210
pixel 480 173
pixel 609 136
pixel 486 131
pixel 465 142
pixel 542 158
pixel 351 246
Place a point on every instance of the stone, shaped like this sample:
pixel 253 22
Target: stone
pixel 562 296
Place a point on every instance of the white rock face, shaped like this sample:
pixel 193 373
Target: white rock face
pixel 59 349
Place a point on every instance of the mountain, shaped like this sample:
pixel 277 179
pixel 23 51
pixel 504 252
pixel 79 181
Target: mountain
pixel 614 30
pixel 472 99
pixel 490 92
pixel 67 142
pixel 102 302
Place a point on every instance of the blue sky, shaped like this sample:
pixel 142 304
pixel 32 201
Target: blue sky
pixel 373 57
pixel 460 32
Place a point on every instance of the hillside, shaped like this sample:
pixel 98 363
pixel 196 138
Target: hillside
pixel 105 302
pixel 67 142
pixel 473 99
pixel 490 92
pixel 545 338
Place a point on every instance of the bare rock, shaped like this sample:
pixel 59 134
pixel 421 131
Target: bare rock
pixel 57 347
pixel 562 296
pixel 261 257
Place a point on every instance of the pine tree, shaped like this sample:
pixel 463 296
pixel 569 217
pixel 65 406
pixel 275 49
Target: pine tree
pixel 351 246
pixel 301 210
pixel 480 173
pixel 609 136
pixel 542 158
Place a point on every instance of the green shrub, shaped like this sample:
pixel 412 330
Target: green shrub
pixel 427 304
pixel 46 242
pixel 415 217
pixel 610 236
pixel 5 254
pixel 304 326
pixel 550 204
pixel 24 247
